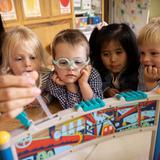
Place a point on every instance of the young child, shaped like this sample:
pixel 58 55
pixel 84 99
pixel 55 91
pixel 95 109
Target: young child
pixel 149 43
pixel 12 104
pixel 22 53
pixel 73 79
pixel 114 53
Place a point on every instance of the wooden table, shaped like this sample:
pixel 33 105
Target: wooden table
pixel 35 113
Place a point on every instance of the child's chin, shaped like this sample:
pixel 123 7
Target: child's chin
pixel 70 81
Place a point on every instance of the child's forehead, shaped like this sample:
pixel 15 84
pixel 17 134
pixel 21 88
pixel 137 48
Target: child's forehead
pixel 66 48
pixel 111 43
pixel 149 47
pixel 21 48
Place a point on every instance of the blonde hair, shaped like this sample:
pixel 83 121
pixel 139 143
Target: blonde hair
pixel 155 20
pixel 71 36
pixel 150 33
pixel 27 40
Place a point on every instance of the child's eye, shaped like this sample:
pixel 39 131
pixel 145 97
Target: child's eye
pixel 119 52
pixel 142 53
pixel 18 58
pixel 79 62
pixel 105 53
pixel 33 57
pixel 155 53
pixel 63 62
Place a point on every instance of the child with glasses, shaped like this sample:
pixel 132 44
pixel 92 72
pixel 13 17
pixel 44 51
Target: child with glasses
pixel 73 79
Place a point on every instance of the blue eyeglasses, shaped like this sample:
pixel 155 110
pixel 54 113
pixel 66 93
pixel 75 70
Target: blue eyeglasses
pixel 65 63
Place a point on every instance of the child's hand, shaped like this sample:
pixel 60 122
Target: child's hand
pixel 57 80
pixel 101 24
pixel 85 73
pixel 110 92
pixel 151 76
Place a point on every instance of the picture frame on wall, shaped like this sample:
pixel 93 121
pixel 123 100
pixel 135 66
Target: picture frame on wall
pixel 65 6
pixel 7 10
pixel 31 8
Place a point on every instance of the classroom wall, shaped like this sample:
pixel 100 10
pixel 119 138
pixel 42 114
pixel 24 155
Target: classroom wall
pixel 154 8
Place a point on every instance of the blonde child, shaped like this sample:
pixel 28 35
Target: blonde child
pixel 22 53
pixel 73 79
pixel 114 53
pixel 149 44
pixel 12 104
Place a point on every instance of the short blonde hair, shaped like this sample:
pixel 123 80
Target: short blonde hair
pixel 154 20
pixel 27 40
pixel 150 33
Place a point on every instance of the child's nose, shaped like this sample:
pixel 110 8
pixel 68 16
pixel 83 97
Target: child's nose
pixel 113 57
pixel 27 62
pixel 145 58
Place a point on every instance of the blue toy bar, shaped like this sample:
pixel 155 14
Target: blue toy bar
pixel 94 103
pixel 131 95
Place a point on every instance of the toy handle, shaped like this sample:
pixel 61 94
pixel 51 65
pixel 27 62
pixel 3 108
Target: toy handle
pixel 22 117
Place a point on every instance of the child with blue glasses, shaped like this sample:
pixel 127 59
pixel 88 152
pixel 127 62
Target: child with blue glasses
pixel 73 79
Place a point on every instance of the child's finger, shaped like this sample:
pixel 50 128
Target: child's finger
pixel 32 74
pixel 150 70
pixel 88 68
pixel 16 81
pixel 60 82
pixel 154 71
pixel 57 80
pixel 158 72
pixel 14 112
pixel 54 77
pixel 8 106
pixel 18 93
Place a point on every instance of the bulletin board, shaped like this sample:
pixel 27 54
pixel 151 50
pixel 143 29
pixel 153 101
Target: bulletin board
pixel 133 12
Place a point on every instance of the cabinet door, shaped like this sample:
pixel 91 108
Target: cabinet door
pixel 9 12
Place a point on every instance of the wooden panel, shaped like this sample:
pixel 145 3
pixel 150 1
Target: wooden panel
pixel 55 9
pixel 46 32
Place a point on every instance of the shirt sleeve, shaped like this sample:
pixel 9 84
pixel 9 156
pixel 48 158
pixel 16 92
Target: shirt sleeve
pixel 95 82
pixel 47 97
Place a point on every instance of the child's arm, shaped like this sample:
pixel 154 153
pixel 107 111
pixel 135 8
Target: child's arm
pixel 86 90
pixel 151 77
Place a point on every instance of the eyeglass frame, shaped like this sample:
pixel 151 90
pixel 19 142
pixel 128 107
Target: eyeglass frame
pixel 71 63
